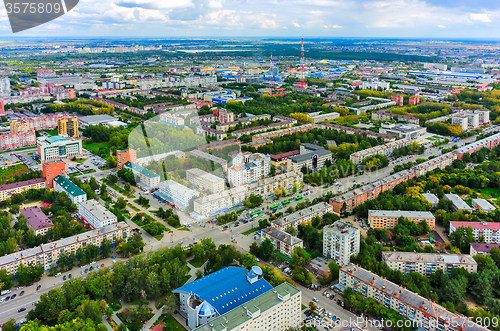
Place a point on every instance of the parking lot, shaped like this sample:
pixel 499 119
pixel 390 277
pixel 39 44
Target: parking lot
pixel 30 158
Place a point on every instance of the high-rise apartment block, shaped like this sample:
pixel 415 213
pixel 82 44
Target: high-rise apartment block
pixel 68 126
pixel 52 169
pixel 340 241
pixel 398 99
pixel 248 167
pixel 125 156
pixel 4 87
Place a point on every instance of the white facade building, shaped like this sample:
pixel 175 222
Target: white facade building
pixel 145 176
pixel 74 193
pixel 4 87
pixel 340 241
pixel 95 214
pixel 248 167
pixel 205 180
pixel 175 193
pixel 58 147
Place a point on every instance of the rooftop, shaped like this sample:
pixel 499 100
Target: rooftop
pixel 232 319
pixel 484 204
pixel 176 187
pixel 96 119
pixel 431 198
pixel 483 248
pixel 399 213
pixel 282 236
pixel 36 218
pixel 207 156
pixel 205 175
pixel 68 186
pixel 300 214
pixel 96 209
pixel 477 225
pixel 21 184
pixel 226 289
pixel 340 226
pixel 428 257
pixel 457 201
pixel 137 168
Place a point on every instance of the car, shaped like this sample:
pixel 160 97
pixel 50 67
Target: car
pixel 82 272
pixel 91 268
pixel 69 276
pixel 224 229
pixel 102 265
pixel 21 294
pixel 21 310
pixel 315 300
pixel 64 278
pixel 113 257
pixel 86 270
pixel 7 298
pixel 38 287
pixel 2 299
pixel 30 284
pixel 13 296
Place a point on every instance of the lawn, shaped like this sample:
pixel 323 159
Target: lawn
pixel 78 160
pixel 250 231
pixel 159 237
pixel 183 229
pixel 488 193
pixel 115 304
pixel 133 207
pixel 172 324
pixel 94 147
pixel 52 132
pixel 197 264
pixel 89 171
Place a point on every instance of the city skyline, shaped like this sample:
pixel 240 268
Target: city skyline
pixel 317 18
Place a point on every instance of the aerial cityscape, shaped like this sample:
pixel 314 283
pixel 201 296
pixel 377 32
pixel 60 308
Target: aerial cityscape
pixel 208 166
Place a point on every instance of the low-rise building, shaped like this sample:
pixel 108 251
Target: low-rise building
pixel 482 205
pixel 403 130
pixel 311 156
pixel 58 147
pixel 383 116
pixel 340 241
pixel 482 248
pixel 205 180
pixel 440 162
pixel 74 193
pixel 488 231
pixel 8 190
pixel 37 220
pixel 386 150
pixel 283 241
pixel 300 216
pixel 175 193
pixel 388 219
pixel 458 203
pixel 96 214
pixel 408 304
pixel 427 263
pixel 266 186
pixel 48 254
pixel 431 198
pixel 318 117
pixel 144 176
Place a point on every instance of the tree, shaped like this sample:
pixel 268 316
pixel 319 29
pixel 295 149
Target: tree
pixel 127 187
pixel 104 191
pixel 266 248
pixel 291 230
pixel 10 325
pixel 106 247
pixel 111 162
pixel 112 179
pixel 94 185
pixel 461 238
pixel 248 260
pixel 300 257
pixel 197 251
pixel 121 203
pixel 334 270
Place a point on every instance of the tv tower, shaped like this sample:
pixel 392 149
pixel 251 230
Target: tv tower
pixel 302 83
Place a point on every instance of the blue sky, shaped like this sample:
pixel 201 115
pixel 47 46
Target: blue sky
pixel 274 18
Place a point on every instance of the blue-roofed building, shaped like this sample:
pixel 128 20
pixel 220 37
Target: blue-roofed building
pixel 218 293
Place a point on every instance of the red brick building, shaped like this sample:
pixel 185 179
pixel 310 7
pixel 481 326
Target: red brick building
pixel 125 156
pixel 51 169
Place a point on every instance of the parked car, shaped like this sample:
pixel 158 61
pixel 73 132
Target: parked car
pixel 21 294
pixel 21 310
pixel 13 296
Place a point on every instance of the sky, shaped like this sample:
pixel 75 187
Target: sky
pixel 453 19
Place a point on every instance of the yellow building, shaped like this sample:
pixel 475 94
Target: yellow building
pixel 69 126
pixel 19 125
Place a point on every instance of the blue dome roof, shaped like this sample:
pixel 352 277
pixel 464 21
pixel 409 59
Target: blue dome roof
pixel 206 309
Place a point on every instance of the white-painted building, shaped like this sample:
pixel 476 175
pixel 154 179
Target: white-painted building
pixel 96 214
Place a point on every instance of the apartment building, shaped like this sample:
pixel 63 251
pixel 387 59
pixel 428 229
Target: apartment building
pixel 228 125
pixel 8 190
pixel 19 125
pixel 482 205
pixel 318 117
pixel 311 156
pixel 301 216
pixel 440 162
pixel 484 116
pixel 489 231
pixel 351 199
pixel 207 131
pixel 48 254
pixel 248 167
pixel 426 313
pixel 175 193
pixel 74 193
pixel 68 126
pixel 386 150
pixel 125 156
pixel 247 131
pixel 401 130
pixel 488 142
pixel 146 177
pixel 58 147
pixel 482 248
pixel 383 116
pixel 18 140
pixel 96 214
pixel 458 203
pixel 427 263
pixel 388 219
pixel 283 241
pixel 52 169
pixel 283 132
pixel 218 202
pixel 170 118
pixel 37 220
pixel 36 122
pixel 213 159
pixel 205 180
pixel 220 144
pixel 266 186
pixel 340 241
pixel 431 198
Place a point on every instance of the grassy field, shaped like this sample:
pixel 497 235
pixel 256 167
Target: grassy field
pixel 172 324
pixel 94 147
pixel 488 193
pixel 250 231
pixel 197 264
pixel 52 132
pixel 115 304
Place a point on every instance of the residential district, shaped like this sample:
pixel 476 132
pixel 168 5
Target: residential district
pixel 165 191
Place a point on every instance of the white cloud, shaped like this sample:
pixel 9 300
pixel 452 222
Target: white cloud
pixel 441 26
pixel 336 26
pixel 480 18
pixel 295 24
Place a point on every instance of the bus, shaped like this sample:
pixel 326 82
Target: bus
pixel 298 198
pixel 275 206
pixel 257 213
pixel 286 202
